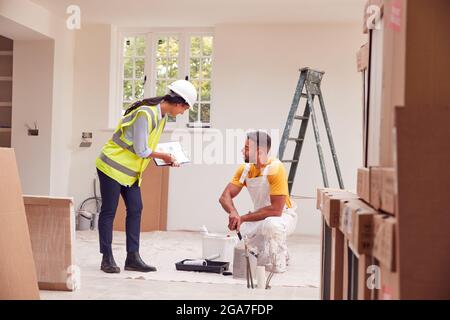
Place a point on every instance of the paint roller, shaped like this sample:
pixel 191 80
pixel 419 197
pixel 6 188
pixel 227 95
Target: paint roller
pixel 195 263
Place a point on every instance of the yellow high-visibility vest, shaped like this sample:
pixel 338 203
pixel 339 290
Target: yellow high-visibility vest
pixel 118 160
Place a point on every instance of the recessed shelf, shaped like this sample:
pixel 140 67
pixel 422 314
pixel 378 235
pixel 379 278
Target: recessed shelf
pixel 6 78
pixel 5 130
pixel 6 53
pixel 5 104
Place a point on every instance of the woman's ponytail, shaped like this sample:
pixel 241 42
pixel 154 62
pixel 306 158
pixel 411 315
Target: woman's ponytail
pixel 171 98
pixel 145 102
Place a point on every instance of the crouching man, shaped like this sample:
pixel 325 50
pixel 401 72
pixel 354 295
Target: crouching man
pixel 274 217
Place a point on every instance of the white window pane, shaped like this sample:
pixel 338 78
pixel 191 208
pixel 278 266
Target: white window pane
pixel 172 70
pixel 173 47
pixel 128 47
pixel 195 68
pixel 139 89
pixel 195 46
pixel 140 46
pixel 207 46
pixel 128 68
pixel 127 90
pixel 140 68
pixel 161 67
pixel 205 115
pixel 161 87
pixel 161 49
pixel 196 84
pixel 206 68
pixel 193 114
pixel 205 92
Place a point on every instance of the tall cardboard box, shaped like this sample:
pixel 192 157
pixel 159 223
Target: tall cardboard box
pixel 363 184
pixel 155 191
pixel 51 222
pixel 411 45
pixel 422 232
pixel 390 285
pixel 18 279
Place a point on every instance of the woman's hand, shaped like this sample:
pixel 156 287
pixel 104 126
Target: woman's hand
pixel 167 158
pixel 170 159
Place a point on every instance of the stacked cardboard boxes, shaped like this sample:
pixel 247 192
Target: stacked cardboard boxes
pixel 406 145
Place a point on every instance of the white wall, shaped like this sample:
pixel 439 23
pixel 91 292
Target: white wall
pixel 42 90
pixel 91 104
pixel 32 102
pixel 255 74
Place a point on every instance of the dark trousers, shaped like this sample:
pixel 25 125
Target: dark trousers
pixel 110 191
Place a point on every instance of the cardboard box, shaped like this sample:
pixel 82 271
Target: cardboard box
pixel 155 191
pixel 337 265
pixel 346 272
pixel 388 190
pixel 364 262
pixel 357 226
pixel 390 285
pixel 375 187
pixel 322 191
pixel 367 16
pixel 384 240
pixel 18 279
pixel 331 207
pixel 422 232
pixel 363 184
pixel 398 68
pixel 51 222
pixel 362 58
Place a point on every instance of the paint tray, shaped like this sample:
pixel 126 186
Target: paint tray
pixel 211 266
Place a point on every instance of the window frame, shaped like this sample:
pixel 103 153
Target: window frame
pixel 184 35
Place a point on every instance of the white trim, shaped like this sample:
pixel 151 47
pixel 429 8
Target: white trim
pixel 5 104
pixel 6 78
pixel 6 53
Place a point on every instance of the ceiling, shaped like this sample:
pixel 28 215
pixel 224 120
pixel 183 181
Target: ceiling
pixel 193 13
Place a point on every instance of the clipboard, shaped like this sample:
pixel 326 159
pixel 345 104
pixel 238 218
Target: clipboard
pixel 175 149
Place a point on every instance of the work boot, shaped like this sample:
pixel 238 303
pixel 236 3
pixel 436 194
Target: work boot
pixel 109 265
pixel 135 263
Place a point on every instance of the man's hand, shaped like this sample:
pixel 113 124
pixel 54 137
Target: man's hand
pixel 234 221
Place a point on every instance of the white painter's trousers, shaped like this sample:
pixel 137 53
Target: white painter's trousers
pixel 268 237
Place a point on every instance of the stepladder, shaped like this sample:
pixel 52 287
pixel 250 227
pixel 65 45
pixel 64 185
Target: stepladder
pixel 309 88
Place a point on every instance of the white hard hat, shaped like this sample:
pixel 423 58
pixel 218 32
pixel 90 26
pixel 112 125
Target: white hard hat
pixel 186 90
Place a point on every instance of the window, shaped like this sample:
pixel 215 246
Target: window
pixel 133 69
pixel 151 60
pixel 200 74
pixel 167 62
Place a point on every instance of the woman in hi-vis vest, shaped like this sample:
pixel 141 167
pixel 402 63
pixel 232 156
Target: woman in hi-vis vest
pixel 123 160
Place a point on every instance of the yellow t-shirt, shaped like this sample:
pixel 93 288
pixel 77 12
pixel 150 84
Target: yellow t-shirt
pixel 276 176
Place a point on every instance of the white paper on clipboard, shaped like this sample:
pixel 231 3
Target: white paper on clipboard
pixel 175 149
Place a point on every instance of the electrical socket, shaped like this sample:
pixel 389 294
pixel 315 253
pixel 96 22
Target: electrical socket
pixel 33 132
